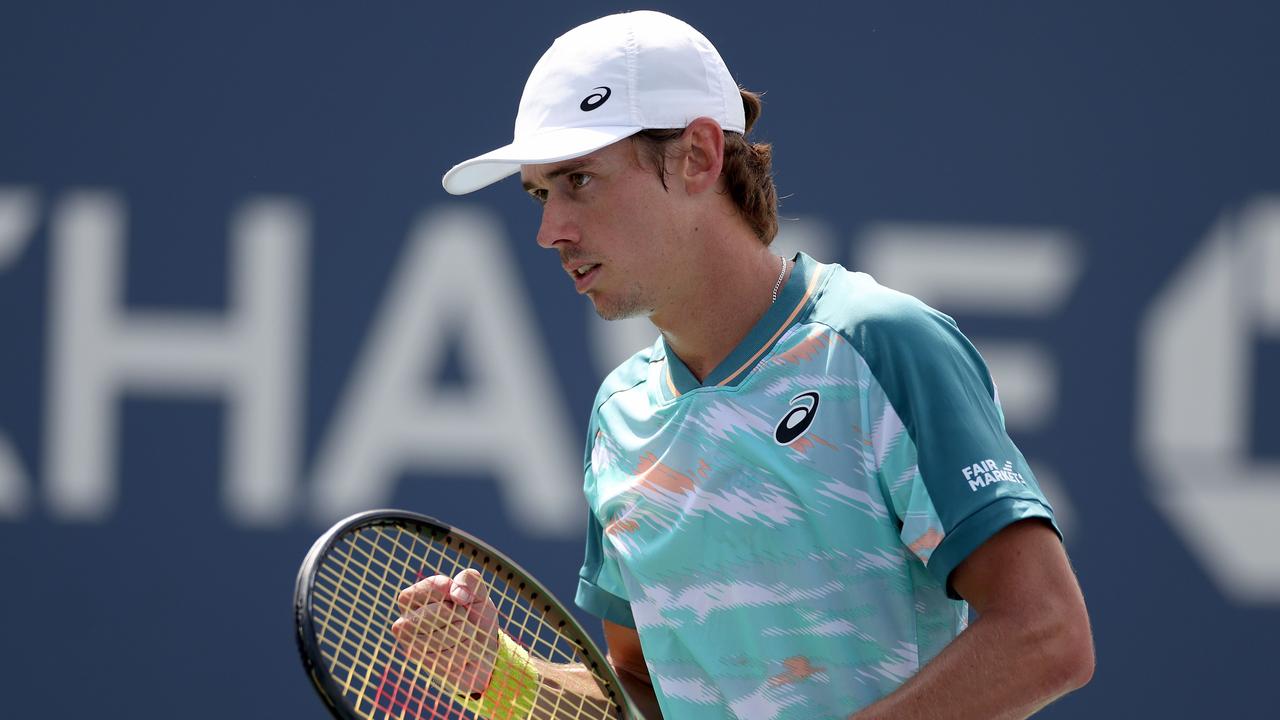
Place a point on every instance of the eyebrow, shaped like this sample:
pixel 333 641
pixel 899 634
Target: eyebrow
pixel 571 167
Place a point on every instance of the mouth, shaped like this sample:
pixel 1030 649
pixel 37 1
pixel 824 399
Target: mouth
pixel 584 276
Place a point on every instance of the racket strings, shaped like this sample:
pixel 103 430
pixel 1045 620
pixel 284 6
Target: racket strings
pixel 546 638
pixel 373 606
pixel 449 563
pixel 362 612
pixel 355 604
pixel 454 562
pixel 542 639
pixel 370 608
pixel 360 671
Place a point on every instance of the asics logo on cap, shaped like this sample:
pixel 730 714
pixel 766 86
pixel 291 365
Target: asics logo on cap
pixel 595 100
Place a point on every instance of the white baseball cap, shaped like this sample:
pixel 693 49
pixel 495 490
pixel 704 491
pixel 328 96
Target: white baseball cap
pixel 604 81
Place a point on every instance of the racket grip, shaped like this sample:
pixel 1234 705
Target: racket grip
pixel 513 686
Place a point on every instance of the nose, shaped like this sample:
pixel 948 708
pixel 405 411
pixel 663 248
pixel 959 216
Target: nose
pixel 558 226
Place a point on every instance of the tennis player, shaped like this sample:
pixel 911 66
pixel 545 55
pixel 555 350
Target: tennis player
pixel 798 492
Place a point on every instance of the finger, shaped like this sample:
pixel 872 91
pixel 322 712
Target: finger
pixel 439 661
pixel 468 586
pixel 435 587
pixel 439 625
pixel 433 616
pixel 428 618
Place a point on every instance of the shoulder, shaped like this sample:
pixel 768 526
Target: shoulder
pixel 871 316
pixel 903 341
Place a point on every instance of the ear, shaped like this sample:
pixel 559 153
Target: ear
pixel 705 156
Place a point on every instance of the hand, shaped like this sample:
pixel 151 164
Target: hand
pixel 450 627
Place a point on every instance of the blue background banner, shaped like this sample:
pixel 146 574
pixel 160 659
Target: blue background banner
pixel 236 305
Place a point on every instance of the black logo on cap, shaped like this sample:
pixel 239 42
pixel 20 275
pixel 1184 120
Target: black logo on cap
pixel 795 422
pixel 595 100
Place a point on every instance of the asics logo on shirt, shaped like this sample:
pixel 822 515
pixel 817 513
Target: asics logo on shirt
pixel 798 418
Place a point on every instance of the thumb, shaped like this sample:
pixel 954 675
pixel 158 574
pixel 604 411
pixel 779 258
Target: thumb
pixel 468 585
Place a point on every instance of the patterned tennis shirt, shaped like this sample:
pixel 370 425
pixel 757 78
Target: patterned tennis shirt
pixel 781 534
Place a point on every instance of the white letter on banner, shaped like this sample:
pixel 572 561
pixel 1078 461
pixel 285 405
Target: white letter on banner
pixel 249 355
pixel 509 421
pixel 1195 374
pixel 18 207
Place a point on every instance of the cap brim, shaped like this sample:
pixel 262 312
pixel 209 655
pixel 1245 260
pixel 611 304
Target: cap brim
pixel 548 147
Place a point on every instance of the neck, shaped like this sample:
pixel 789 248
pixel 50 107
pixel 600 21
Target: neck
pixel 707 322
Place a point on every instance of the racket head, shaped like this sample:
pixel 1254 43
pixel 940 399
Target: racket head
pixel 345 603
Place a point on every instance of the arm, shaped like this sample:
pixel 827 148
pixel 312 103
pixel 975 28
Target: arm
pixel 564 690
pixel 628 661
pixel 1030 645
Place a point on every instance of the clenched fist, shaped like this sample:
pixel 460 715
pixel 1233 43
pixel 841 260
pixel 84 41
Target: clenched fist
pixel 450 627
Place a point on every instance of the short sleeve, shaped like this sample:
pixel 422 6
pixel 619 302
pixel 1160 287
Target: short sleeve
pixel 944 459
pixel 601 591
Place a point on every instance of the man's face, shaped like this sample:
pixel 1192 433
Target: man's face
pixel 615 227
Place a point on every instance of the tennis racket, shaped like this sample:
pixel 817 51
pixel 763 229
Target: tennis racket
pixel 349 595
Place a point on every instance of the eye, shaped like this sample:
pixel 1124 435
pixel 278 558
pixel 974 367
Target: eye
pixel 539 195
pixel 579 180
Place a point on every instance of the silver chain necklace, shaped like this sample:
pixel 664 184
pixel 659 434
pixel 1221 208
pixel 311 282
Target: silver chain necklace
pixel 778 284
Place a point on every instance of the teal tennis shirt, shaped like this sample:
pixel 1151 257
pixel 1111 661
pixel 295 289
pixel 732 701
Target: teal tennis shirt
pixel 781 534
